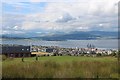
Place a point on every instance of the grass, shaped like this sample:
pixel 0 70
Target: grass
pixel 61 67
pixel 62 59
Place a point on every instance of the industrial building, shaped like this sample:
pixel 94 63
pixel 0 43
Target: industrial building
pixel 15 50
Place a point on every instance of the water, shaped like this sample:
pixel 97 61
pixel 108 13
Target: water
pixel 109 44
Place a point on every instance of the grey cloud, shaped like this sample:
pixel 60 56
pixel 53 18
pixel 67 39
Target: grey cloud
pixel 65 18
pixel 9 21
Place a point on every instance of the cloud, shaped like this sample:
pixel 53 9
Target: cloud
pixel 16 28
pixel 11 32
pixel 64 16
pixel 100 24
pixel 12 21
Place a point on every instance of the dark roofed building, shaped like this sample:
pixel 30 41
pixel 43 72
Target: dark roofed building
pixel 49 50
pixel 16 51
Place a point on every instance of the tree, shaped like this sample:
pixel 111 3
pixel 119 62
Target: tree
pixel 113 53
pixel 99 54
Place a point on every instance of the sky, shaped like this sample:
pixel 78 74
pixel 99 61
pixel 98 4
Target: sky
pixel 43 17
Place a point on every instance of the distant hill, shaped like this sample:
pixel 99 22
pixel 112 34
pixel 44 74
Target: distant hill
pixel 81 36
pixel 69 36
pixel 13 37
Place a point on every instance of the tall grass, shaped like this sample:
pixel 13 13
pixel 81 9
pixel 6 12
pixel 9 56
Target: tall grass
pixel 52 69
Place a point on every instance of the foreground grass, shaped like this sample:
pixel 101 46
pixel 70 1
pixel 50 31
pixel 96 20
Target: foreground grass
pixel 61 67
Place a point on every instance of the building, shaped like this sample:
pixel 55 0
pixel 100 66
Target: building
pixel 15 50
pixel 49 50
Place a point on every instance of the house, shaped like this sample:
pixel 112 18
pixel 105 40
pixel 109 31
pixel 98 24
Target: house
pixel 16 50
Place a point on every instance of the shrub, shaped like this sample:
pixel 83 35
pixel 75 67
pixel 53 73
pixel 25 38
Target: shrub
pixel 4 57
pixel 113 54
pixel 99 54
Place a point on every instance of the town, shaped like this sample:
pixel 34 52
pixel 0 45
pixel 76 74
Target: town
pixel 34 50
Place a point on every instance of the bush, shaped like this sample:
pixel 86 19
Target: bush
pixel 99 54
pixel 114 54
pixel 4 57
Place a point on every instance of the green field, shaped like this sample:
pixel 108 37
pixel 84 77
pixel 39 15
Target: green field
pixel 61 67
